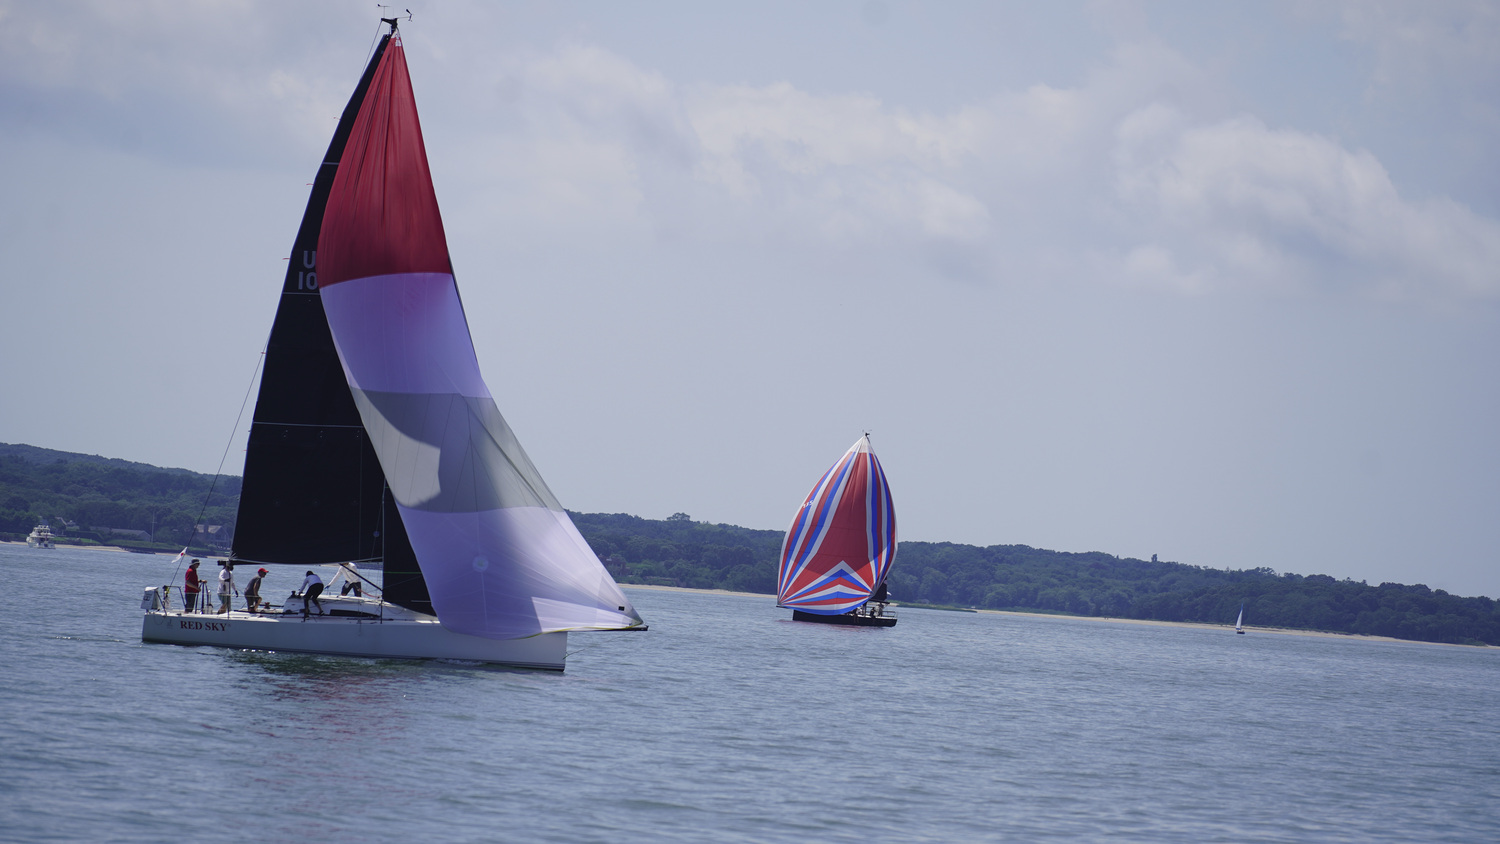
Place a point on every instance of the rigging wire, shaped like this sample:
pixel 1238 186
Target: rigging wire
pixel 373 43
pixel 254 375
pixel 260 360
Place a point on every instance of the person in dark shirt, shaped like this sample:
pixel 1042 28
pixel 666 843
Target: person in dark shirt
pixel 312 587
pixel 252 591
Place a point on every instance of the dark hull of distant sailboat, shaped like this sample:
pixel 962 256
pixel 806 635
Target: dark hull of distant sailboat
pixel 847 619
pixel 1241 632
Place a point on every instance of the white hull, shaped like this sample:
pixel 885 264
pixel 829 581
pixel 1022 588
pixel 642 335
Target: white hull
pixel 415 637
pixel 41 537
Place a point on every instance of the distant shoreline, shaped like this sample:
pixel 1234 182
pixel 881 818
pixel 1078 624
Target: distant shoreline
pixel 117 548
pixel 1280 631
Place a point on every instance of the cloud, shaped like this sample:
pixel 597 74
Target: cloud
pixel 1419 44
pixel 1129 174
pixel 1430 98
pixel 843 167
pixel 604 143
pixel 1118 166
pixel 181 82
pixel 1250 206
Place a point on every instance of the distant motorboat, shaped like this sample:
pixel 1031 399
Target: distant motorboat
pixel 1239 623
pixel 41 537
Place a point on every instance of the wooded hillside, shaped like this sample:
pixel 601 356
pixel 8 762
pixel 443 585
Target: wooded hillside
pixel 680 552
pixel 96 492
pixel 102 493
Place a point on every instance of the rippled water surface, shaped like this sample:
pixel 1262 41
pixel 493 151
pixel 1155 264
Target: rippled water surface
pixel 727 722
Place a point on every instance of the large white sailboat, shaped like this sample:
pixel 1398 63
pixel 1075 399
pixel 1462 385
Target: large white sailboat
pixel 375 440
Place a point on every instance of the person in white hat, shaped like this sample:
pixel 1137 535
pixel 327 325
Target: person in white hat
pixel 226 585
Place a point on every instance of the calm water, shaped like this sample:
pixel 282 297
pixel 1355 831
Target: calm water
pixel 728 723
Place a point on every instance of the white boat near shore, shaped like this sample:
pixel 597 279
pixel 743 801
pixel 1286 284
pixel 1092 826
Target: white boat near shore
pixel 41 537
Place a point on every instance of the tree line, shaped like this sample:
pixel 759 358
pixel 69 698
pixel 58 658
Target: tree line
pixel 37 484
pixel 681 552
pixel 40 485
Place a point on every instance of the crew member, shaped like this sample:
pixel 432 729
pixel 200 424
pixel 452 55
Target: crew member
pixel 351 580
pixel 252 591
pixel 192 587
pixel 312 587
pixel 226 586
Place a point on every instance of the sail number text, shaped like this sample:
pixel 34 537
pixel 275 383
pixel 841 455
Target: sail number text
pixel 306 278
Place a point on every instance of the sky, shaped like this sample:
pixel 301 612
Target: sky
pixel 1218 282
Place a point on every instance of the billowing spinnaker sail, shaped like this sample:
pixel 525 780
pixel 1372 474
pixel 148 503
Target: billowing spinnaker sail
pixel 500 555
pixel 842 540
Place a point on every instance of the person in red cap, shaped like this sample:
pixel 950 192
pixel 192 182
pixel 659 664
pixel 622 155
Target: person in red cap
pixel 252 592
pixel 192 587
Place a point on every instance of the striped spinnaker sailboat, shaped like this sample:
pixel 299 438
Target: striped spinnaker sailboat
pixel 842 540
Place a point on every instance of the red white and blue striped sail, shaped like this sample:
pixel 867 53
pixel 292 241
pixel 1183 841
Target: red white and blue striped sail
pixel 843 539
pixel 500 556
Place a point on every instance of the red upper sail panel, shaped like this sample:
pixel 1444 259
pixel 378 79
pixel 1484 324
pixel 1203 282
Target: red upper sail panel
pixel 382 216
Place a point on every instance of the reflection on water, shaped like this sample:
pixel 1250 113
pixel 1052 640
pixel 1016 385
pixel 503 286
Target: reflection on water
pixel 352 698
